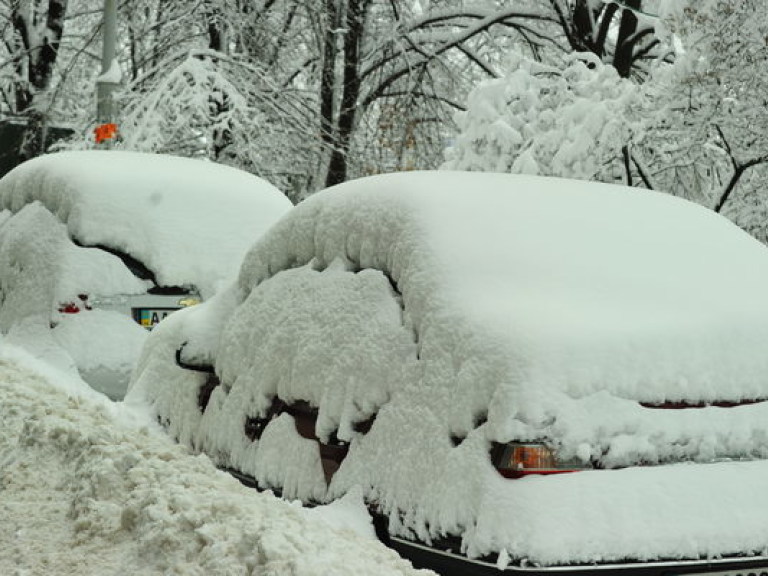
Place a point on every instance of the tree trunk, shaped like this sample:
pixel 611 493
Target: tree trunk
pixel 328 85
pixel 584 17
pixel 217 41
pixel 355 24
pixel 625 41
pixel 41 59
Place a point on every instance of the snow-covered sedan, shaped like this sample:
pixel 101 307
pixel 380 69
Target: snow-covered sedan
pixel 522 374
pixel 102 245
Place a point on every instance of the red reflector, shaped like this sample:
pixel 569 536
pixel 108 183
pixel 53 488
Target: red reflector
pixel 69 308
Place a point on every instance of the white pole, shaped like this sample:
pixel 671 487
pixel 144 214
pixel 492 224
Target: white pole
pixel 106 83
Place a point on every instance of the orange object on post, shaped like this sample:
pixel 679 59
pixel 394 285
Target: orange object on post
pixel 105 132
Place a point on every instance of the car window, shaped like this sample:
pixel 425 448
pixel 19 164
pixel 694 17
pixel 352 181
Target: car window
pixel 292 328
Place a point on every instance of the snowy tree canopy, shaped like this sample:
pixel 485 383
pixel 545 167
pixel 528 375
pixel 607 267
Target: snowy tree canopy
pixel 692 122
pixel 569 122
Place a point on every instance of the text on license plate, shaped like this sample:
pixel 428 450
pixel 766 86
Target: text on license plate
pixel 149 317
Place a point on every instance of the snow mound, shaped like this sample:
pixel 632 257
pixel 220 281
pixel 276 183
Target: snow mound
pixel 91 489
pixel 104 345
pixel 100 337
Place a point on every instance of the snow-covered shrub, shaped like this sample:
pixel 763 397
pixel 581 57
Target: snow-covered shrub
pixel 570 122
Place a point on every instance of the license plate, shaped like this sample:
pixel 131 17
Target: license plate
pixel 149 317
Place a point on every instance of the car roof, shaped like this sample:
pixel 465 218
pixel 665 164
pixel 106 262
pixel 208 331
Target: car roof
pixel 189 221
pixel 587 286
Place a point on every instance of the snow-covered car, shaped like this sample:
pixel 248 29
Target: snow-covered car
pixel 522 374
pixel 102 245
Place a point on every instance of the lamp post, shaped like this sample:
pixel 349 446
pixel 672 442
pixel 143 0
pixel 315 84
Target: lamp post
pixel 109 79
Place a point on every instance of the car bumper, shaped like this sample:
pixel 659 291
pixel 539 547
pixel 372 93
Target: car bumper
pixel 448 563
pixel 145 309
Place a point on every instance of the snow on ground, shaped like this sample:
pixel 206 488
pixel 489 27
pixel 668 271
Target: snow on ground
pixel 88 487
pixel 520 309
pixel 104 346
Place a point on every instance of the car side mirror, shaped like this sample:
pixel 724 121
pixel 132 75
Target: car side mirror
pixel 181 363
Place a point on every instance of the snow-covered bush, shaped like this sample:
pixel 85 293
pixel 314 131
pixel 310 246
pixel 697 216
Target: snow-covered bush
pixel 539 119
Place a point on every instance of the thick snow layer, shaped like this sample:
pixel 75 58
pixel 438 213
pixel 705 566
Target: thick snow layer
pixel 104 345
pixel 638 292
pixel 91 488
pixel 92 352
pixel 465 308
pixel 332 315
pixel 188 221
pixel 348 513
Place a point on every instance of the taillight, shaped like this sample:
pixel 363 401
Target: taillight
pixel 518 459
pixel 532 457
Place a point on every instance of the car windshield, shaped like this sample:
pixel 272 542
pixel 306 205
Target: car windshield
pixel 141 271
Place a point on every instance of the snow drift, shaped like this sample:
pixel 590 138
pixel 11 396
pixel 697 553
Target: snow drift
pixel 90 488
